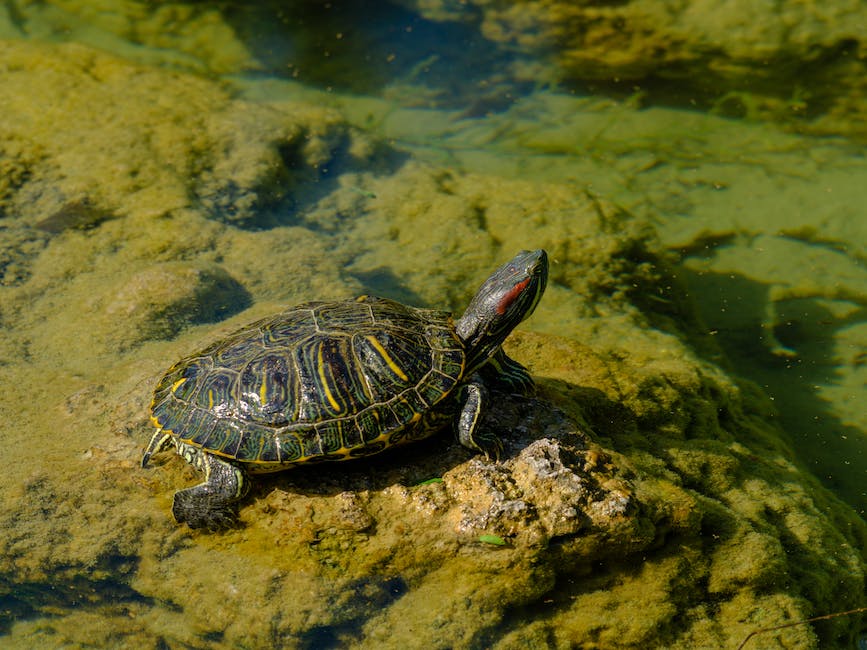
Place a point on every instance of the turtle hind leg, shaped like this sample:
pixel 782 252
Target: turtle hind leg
pixel 211 504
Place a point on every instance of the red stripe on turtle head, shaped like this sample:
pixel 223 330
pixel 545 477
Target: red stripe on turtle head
pixel 509 297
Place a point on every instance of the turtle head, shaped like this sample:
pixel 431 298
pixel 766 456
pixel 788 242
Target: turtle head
pixel 505 299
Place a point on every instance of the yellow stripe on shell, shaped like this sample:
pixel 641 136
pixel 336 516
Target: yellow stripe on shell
pixel 320 365
pixel 177 384
pixel 385 357
pixel 263 392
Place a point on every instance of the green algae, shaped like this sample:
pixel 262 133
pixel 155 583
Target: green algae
pixel 649 497
pixel 169 34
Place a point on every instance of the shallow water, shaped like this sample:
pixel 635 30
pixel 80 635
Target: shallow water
pixel 171 173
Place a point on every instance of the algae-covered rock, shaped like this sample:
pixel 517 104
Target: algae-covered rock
pixel 599 252
pixel 735 40
pixel 160 301
pixel 589 516
pixel 193 146
pixel 184 35
pixel 741 58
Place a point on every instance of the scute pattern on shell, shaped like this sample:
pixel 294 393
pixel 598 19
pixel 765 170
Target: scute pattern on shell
pixel 320 381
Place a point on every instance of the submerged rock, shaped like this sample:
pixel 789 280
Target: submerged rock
pixel 81 214
pixel 129 155
pixel 738 58
pixel 161 300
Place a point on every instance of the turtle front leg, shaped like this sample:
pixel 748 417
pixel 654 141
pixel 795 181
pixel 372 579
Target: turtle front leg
pixel 211 504
pixel 474 396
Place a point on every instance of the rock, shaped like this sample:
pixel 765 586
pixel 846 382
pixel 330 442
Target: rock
pixel 641 38
pixel 140 158
pixel 81 214
pixel 542 493
pixel 159 301
pixel 172 35
pixel 497 216
pixel 738 57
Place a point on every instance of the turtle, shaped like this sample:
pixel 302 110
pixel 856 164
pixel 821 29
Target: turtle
pixel 328 381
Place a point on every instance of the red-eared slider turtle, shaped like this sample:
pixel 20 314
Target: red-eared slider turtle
pixel 338 380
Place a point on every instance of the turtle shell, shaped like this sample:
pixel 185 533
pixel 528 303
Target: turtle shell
pixel 320 381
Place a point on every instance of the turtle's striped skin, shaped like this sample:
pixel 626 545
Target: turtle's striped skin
pixel 337 380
